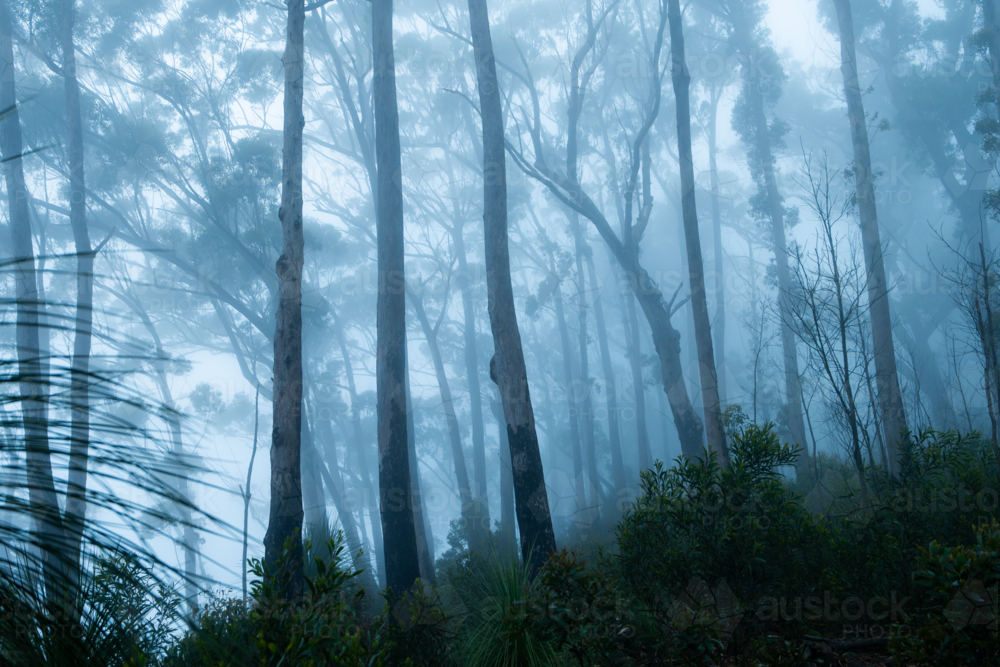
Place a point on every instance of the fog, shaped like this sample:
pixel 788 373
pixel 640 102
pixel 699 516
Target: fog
pixel 140 252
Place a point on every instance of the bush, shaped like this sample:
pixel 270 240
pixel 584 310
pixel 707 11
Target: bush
pixel 960 585
pixel 221 634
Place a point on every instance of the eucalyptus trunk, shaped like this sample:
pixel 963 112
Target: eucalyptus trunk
pixel 76 487
pixel 401 556
pixel 507 367
pixel 43 503
pixel 890 397
pixel 681 78
pixel 284 528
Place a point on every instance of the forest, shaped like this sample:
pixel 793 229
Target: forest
pixel 523 333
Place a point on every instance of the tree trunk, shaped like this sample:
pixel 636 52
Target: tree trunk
pixel 44 505
pixel 719 267
pixel 574 426
pixel 611 385
pixel 361 449
pixel 481 510
pixel 451 419
pixel 421 521
pixel 584 406
pixel 284 525
pixel 699 300
pixel 508 538
pixel 793 386
pixel 991 19
pixel 507 367
pixel 76 487
pixel 890 397
pixel 401 557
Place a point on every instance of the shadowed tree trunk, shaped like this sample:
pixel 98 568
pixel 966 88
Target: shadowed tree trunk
pixel 360 449
pixel 719 327
pixel 699 301
pixel 574 424
pixel 76 487
pixel 584 405
pixel 508 538
pixel 481 510
pixel 753 82
pixel 451 419
pixel 285 520
pixel 402 565
pixel 44 506
pixel 421 521
pixel 610 385
pixel 890 398
pixel 507 368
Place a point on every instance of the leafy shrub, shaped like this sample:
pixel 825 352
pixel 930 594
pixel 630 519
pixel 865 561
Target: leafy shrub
pixel 961 584
pixel 221 634
pixel 738 528
pixel 577 609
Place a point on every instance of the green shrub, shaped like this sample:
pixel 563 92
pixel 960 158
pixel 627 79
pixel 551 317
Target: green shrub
pixel 221 634
pixel 960 585
pixel 738 530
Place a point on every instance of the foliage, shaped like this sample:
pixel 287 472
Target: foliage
pixel 739 526
pixel 961 585
pixel 493 589
pixel 122 615
pixel 222 633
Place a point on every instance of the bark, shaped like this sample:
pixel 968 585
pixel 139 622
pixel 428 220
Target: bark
pixel 76 488
pixel 574 426
pixel 991 19
pixel 584 406
pixel 421 521
pixel 719 268
pixel 681 78
pixel 610 383
pixel 401 557
pixel 793 386
pixel 481 510
pixel 285 519
pixel 360 449
pixel 451 420
pixel 508 538
pixel 890 397
pixel 43 503
pixel 630 324
pixel 507 367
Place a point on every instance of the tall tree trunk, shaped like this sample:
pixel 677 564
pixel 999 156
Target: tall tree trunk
pixel 361 449
pixel 793 386
pixel 991 19
pixel 401 558
pixel 421 520
pixel 610 384
pixel 285 519
pixel 76 488
pixel 630 322
pixel 451 420
pixel 508 538
pixel 719 267
pixel 481 510
pixel 584 405
pixel 507 367
pixel 44 505
pixel 571 413
pixel 699 300
pixel 890 397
